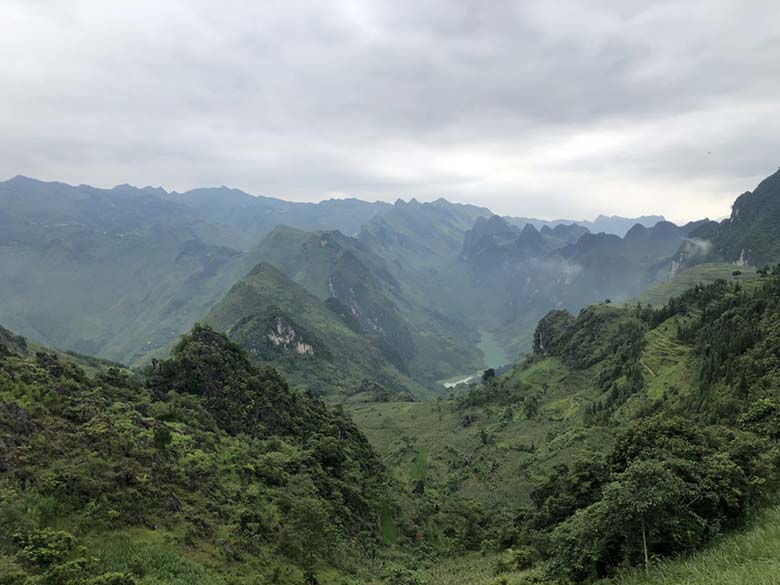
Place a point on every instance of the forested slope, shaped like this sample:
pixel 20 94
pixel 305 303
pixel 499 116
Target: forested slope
pixel 208 470
pixel 412 330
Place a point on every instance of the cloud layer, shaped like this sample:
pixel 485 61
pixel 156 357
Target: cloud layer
pixel 549 108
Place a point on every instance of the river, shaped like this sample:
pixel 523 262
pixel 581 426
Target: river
pixel 495 356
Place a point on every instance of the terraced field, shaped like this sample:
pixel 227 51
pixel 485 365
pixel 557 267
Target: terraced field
pixel 659 294
pixel 665 361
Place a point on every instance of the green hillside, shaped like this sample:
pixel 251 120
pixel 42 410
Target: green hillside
pixel 637 441
pixel 746 558
pixel 410 328
pixel 210 470
pixel 630 434
pixel 494 452
pixel 316 346
pixel 550 451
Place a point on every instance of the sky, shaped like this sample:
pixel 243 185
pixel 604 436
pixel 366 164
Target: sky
pixel 546 109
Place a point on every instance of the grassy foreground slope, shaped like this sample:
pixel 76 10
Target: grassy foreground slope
pixel 497 441
pixel 748 557
pixel 493 452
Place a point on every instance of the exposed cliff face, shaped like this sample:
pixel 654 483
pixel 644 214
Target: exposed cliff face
pixel 318 346
pixel 272 334
pixel 285 336
pixel 751 235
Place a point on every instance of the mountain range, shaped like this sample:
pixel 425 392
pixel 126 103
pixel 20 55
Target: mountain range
pixel 751 235
pixel 122 272
pixel 613 224
pixel 438 290
pixel 300 431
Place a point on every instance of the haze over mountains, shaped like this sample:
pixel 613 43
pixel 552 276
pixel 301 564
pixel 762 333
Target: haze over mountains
pixel 440 290
pixel 613 224
pixel 229 454
pixel 392 355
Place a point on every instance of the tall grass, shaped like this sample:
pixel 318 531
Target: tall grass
pixel 147 555
pixel 471 569
pixel 750 557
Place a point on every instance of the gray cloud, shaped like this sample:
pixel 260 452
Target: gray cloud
pixel 549 108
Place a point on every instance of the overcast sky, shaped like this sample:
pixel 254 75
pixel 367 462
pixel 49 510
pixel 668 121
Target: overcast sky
pixel 549 109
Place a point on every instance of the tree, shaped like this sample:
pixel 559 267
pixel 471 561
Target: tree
pixel 653 507
pixel 530 406
pixel 645 499
pixel 571 487
pixel 672 489
pixel 162 437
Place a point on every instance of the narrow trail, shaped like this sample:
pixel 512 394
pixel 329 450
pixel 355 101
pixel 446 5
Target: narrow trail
pixel 645 366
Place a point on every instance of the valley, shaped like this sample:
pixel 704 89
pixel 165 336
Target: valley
pixel 366 292
pixel 442 290
pixel 386 394
pixel 494 357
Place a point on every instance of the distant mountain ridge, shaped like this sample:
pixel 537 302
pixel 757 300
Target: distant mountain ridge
pixel 614 224
pixel 114 273
pixel 490 278
pixel 514 275
pixel 751 235
pixel 434 287
pixel 121 272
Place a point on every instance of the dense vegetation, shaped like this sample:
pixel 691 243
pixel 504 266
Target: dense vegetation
pixel 631 435
pixel 697 459
pixel 211 460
